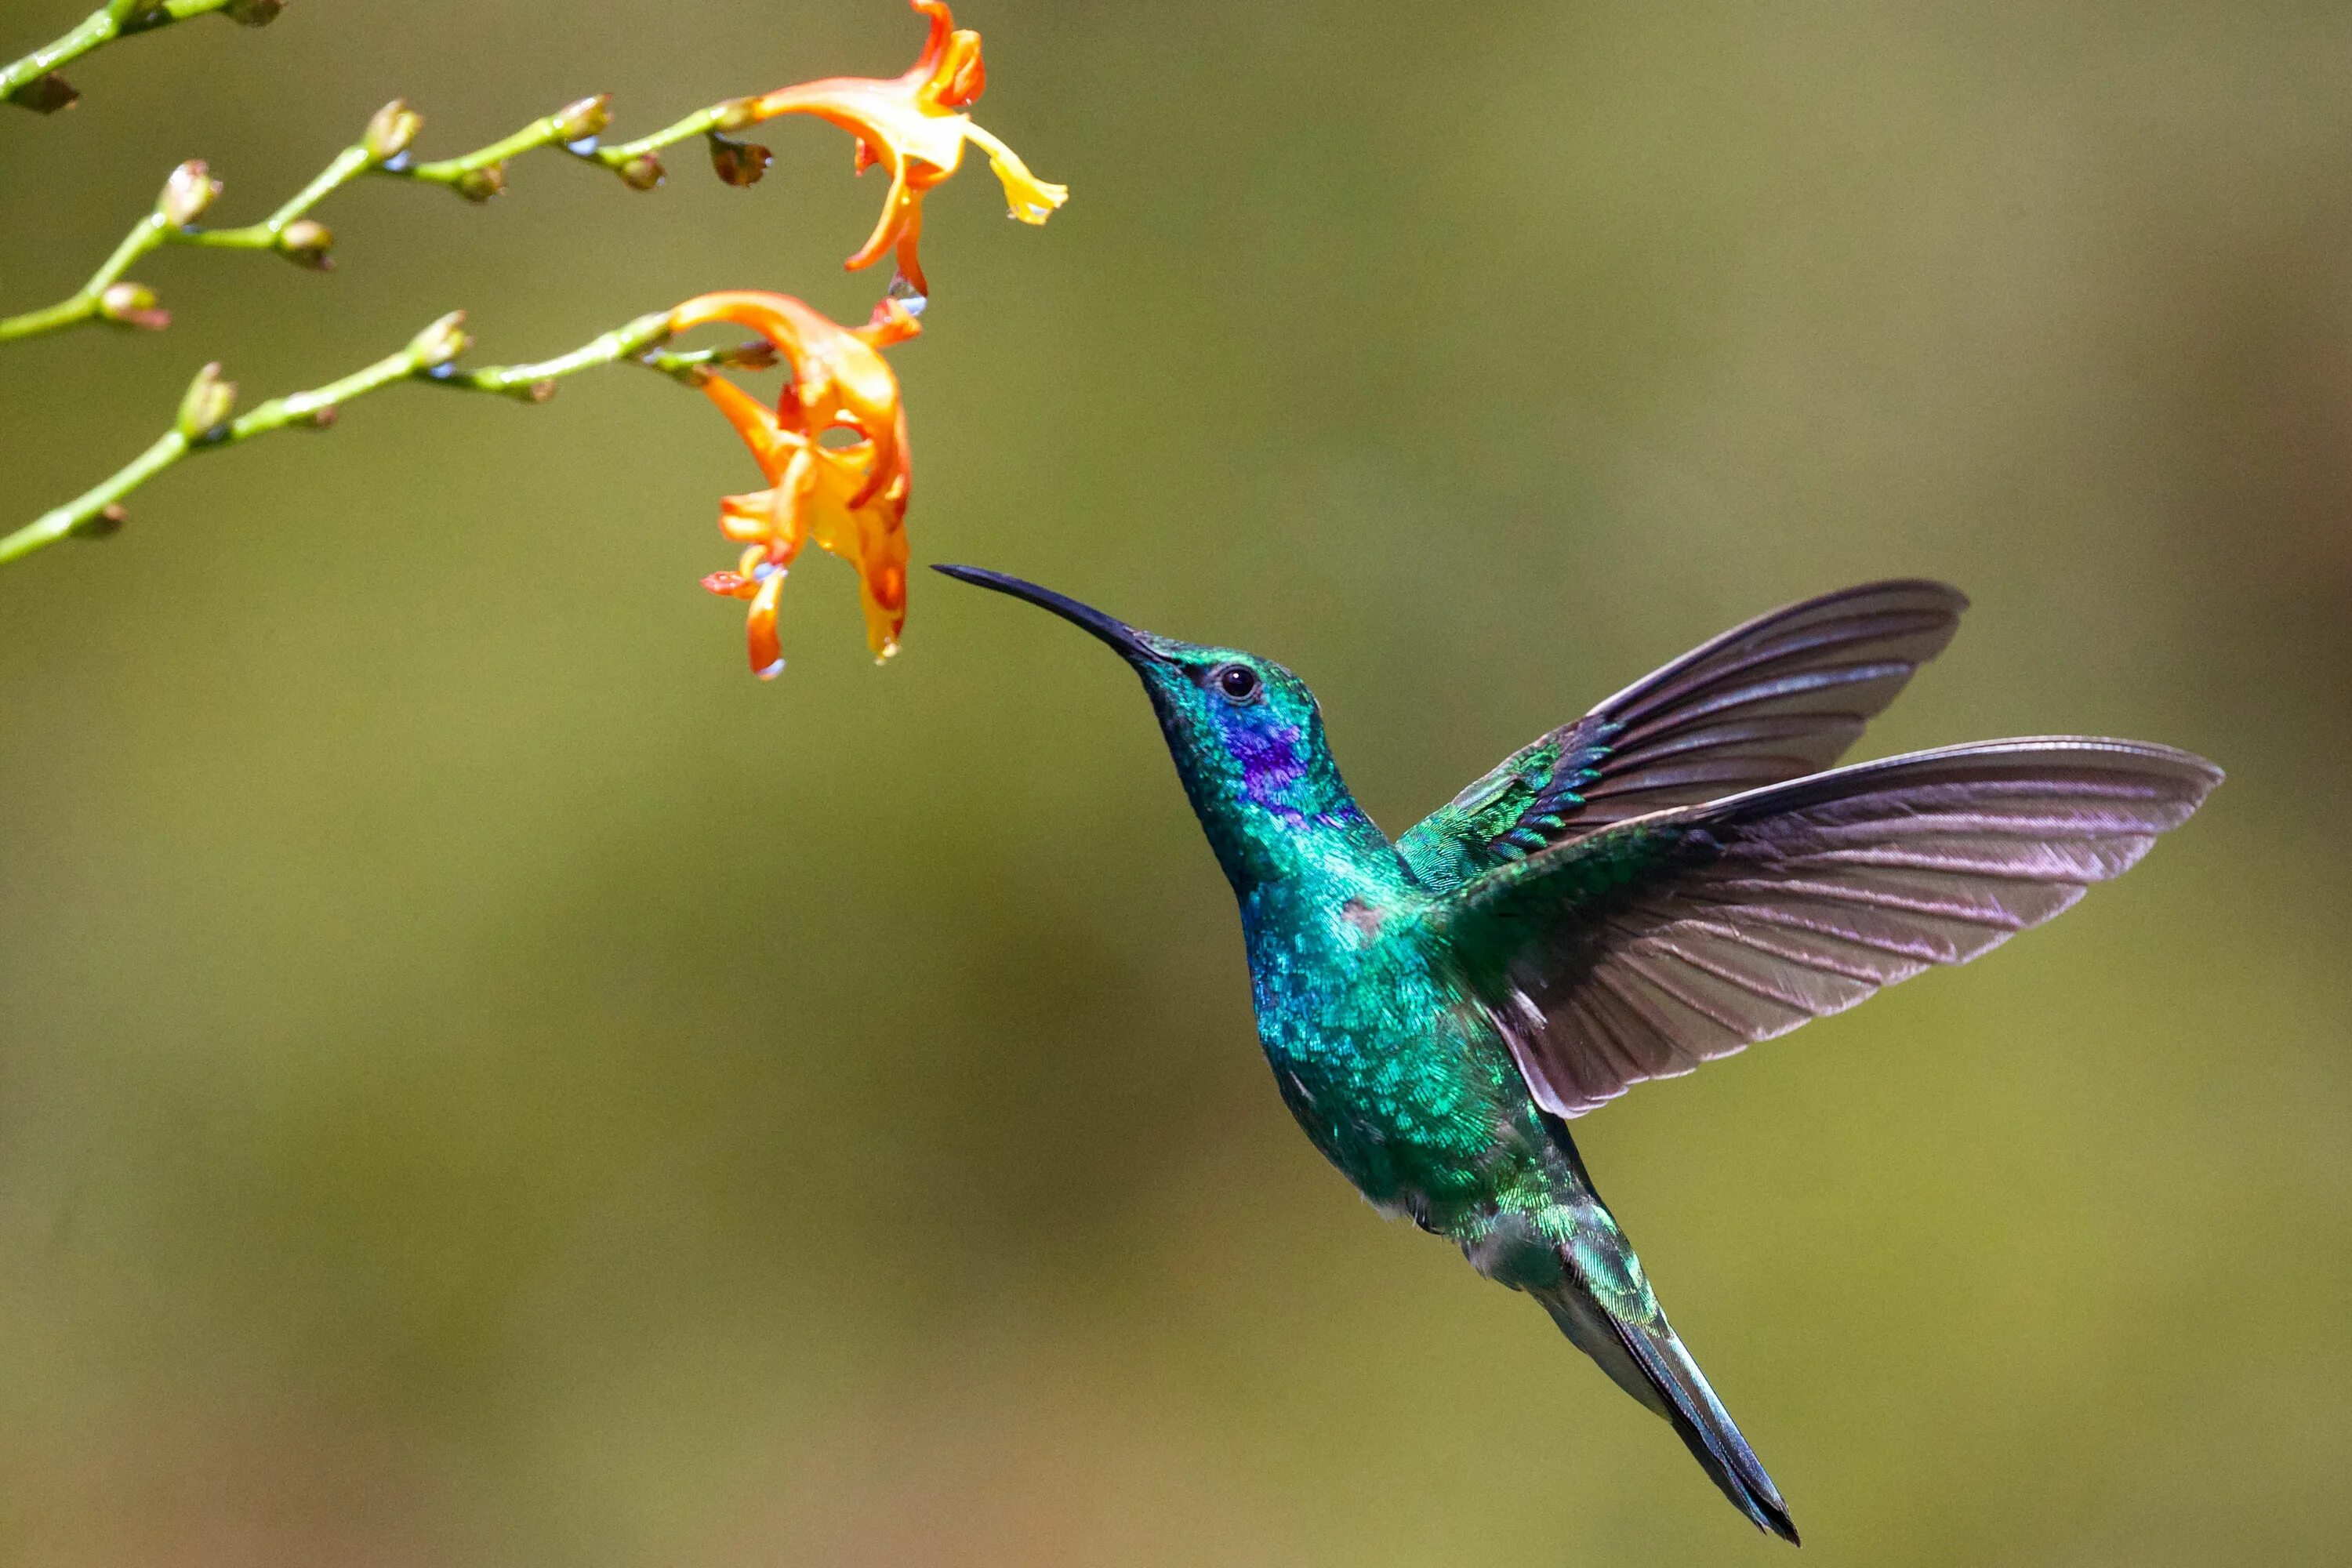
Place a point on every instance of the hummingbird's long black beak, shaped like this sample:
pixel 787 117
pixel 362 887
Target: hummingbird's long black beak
pixel 1119 634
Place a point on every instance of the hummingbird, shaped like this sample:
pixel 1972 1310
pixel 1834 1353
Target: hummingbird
pixel 1679 873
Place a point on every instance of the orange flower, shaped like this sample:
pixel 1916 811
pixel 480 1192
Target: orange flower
pixel 851 498
pixel 914 126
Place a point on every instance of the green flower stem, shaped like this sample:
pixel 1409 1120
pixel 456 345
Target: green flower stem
pixel 85 303
pixel 536 383
pixel 727 116
pixel 348 165
pixel 427 359
pixel 88 303
pixel 118 19
pixel 545 131
pixel 476 174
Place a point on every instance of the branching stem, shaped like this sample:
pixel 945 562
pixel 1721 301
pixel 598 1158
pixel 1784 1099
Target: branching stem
pixel 477 175
pixel 428 358
pixel 33 83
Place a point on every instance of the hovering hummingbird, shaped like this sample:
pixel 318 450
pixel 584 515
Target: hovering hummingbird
pixel 1661 882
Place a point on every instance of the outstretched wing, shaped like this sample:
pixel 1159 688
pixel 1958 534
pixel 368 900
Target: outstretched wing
pixel 1641 951
pixel 1776 699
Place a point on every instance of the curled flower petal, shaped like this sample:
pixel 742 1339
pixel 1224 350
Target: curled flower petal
pixel 914 126
pixel 1030 199
pixel 849 498
pixel 766 649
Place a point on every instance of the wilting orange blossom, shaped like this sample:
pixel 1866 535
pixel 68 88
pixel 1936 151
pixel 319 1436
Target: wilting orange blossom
pixel 851 498
pixel 914 126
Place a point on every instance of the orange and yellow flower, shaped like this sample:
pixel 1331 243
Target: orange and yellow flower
pixel 914 126
pixel 850 498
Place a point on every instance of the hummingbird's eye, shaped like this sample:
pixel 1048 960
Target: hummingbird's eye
pixel 1239 682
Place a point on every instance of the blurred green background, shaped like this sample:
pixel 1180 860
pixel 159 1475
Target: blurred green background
pixel 485 1081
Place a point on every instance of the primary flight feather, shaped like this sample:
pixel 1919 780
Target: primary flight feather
pixel 1665 880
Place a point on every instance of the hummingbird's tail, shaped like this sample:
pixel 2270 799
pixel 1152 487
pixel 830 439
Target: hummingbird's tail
pixel 1640 1350
pixel 1599 1296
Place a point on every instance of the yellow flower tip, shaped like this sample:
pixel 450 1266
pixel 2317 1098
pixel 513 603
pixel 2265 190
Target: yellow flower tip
pixel 1033 200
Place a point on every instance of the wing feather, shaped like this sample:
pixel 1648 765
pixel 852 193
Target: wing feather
pixel 1671 939
pixel 1776 699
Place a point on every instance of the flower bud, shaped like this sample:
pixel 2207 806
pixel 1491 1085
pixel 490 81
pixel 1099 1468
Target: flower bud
pixel 209 402
pixel 439 343
pixel 642 172
pixel 738 162
pixel 480 184
pixel 253 13
pixel 305 242
pixel 757 354
pixel 186 195
pixel 137 16
pixel 393 127
pixel 585 117
pixel 107 520
pixel 737 112
pixel 133 305
pixel 46 94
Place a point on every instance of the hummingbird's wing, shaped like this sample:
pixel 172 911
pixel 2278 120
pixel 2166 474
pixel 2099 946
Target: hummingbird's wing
pixel 1776 699
pixel 1645 949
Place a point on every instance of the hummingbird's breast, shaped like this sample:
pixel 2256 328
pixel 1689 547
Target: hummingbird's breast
pixel 1389 1067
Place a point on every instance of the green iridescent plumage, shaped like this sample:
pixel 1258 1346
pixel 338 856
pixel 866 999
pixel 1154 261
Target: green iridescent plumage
pixel 1662 881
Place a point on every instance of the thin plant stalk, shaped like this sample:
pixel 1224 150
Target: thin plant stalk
pixel 205 425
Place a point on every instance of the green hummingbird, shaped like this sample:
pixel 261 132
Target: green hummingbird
pixel 1674 875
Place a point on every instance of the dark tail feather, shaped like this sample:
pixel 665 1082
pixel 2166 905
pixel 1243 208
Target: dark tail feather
pixel 1650 1363
pixel 1706 1426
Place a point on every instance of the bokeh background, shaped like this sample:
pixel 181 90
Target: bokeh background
pixel 483 1081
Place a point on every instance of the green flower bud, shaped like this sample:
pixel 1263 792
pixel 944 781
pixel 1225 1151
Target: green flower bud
pixel 439 343
pixel 642 172
pixel 133 305
pixel 306 243
pixel 480 184
pixel 207 404
pixel 186 195
pixel 394 126
pixel 585 117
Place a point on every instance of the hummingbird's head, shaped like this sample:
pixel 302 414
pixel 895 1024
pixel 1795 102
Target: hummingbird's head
pixel 1245 733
